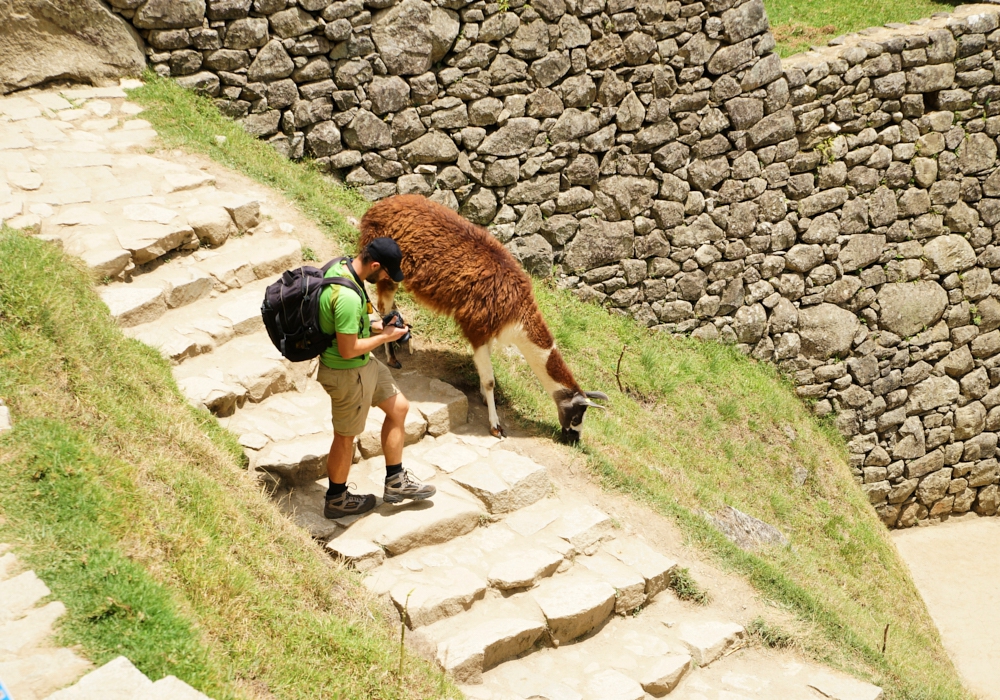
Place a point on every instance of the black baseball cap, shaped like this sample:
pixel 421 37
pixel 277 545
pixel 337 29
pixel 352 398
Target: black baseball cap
pixel 385 252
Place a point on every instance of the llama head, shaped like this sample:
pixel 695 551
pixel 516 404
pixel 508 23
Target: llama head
pixel 572 406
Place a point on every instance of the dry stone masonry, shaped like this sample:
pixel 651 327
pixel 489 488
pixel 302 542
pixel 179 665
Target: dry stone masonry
pixel 832 212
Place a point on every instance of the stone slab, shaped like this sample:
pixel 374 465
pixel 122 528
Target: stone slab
pixel 29 630
pixel 574 604
pixel 707 641
pixel 116 680
pixel 19 594
pixel 418 523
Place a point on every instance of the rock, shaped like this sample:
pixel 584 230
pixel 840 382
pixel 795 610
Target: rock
pixel 842 688
pixel 826 330
pixel 970 420
pixel 249 33
pixel 366 132
pixel 360 554
pixel 746 531
pixel 212 225
pixel 949 253
pixel 822 201
pixel 750 322
pixel 272 62
pixel 204 83
pixel 292 22
pixel 976 154
pixel 930 78
pixel 481 207
pixel 707 641
pixel 432 147
pixel 932 393
pixel 776 127
pixel 599 243
pixel 82 42
pixel 729 58
pixel 862 250
pixel 574 605
pixel 512 139
pixel 531 40
pixel 398 531
pixel 661 675
pixel 803 257
pixel 412 35
pixel 169 14
pixel 534 253
pixel 6 424
pixel 908 308
pixel 262 124
pixel 389 94
pixel 423 602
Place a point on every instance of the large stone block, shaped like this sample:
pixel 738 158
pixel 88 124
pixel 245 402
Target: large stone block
pixel 413 35
pixel 599 243
pixel 826 330
pixel 82 42
pixel 908 308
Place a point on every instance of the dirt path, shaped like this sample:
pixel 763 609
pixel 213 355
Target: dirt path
pixel 956 567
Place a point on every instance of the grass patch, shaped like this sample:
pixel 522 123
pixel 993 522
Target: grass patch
pixel 182 119
pixel 137 512
pixel 699 427
pixel 682 583
pixel 768 635
pixel 799 24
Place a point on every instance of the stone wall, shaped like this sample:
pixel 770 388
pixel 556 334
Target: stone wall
pixel 832 212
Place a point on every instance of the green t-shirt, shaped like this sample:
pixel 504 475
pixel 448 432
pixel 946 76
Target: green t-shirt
pixel 350 314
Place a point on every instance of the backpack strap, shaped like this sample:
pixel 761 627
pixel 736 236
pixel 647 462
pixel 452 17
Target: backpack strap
pixel 353 285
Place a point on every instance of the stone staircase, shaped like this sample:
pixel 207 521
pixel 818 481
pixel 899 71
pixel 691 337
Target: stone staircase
pixel 515 587
pixel 32 669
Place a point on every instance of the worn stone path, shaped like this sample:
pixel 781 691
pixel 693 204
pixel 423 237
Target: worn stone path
pixel 964 601
pixel 32 668
pixel 516 588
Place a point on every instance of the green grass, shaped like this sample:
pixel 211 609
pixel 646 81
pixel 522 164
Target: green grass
pixel 698 427
pixel 799 24
pixel 137 512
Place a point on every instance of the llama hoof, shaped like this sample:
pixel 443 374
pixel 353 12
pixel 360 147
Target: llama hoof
pixel 394 363
pixel 498 432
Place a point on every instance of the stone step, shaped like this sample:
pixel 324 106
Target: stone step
pixel 249 366
pixel 36 675
pixel 505 481
pixel 30 630
pixel 400 528
pixel 574 604
pixel 19 594
pixel 116 680
pixel 494 631
pixel 8 563
pixel 169 688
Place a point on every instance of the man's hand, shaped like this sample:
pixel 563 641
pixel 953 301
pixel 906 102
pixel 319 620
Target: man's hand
pixel 376 323
pixel 394 333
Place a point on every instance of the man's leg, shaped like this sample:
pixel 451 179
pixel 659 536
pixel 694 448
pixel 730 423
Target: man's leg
pixel 338 462
pixel 393 428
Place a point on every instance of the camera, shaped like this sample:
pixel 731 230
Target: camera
pixel 394 318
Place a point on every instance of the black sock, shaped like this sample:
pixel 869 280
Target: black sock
pixel 335 490
pixel 392 470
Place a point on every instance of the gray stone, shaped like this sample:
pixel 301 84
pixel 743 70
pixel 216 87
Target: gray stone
pixel 908 308
pixel 248 33
pixel 169 14
pixel 324 140
pixel 745 21
pixel 949 253
pixel 826 330
pixel 366 132
pixel 432 147
pixel 413 35
pixel 531 40
pixel 388 94
pixel 930 78
pixel 861 250
pixel 932 393
pixel 772 129
pixel 599 243
pixel 272 62
pixel 534 253
pixel 803 257
pixel 80 42
pixel 512 139
pixel 292 22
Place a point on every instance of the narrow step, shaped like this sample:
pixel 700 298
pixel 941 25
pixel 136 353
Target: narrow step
pixel 30 630
pixel 250 363
pixel 116 680
pixel 39 674
pixel 19 594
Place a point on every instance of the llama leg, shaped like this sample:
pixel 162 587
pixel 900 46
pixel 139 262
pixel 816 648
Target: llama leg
pixel 484 366
pixel 386 296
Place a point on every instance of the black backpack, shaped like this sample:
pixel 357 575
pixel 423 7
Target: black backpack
pixel 291 310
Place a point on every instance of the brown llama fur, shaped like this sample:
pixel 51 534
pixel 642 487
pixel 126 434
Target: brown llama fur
pixel 457 268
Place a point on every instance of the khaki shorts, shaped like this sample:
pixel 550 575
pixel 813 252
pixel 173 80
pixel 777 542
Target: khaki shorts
pixel 353 391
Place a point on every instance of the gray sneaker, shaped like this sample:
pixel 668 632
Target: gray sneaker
pixel 348 503
pixel 401 487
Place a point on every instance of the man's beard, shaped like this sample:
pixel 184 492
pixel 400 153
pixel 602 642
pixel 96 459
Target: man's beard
pixel 372 278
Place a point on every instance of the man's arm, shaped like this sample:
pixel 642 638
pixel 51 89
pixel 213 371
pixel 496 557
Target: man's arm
pixel 350 346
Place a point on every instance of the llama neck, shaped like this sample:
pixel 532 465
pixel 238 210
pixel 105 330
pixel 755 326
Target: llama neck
pixel 547 364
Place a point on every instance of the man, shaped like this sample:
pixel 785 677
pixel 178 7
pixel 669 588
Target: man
pixel 356 381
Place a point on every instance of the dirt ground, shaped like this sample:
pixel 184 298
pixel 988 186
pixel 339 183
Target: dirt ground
pixel 956 567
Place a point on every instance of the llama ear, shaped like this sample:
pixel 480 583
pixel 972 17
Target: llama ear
pixel 599 395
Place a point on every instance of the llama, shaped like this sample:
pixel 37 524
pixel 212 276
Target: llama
pixel 457 268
